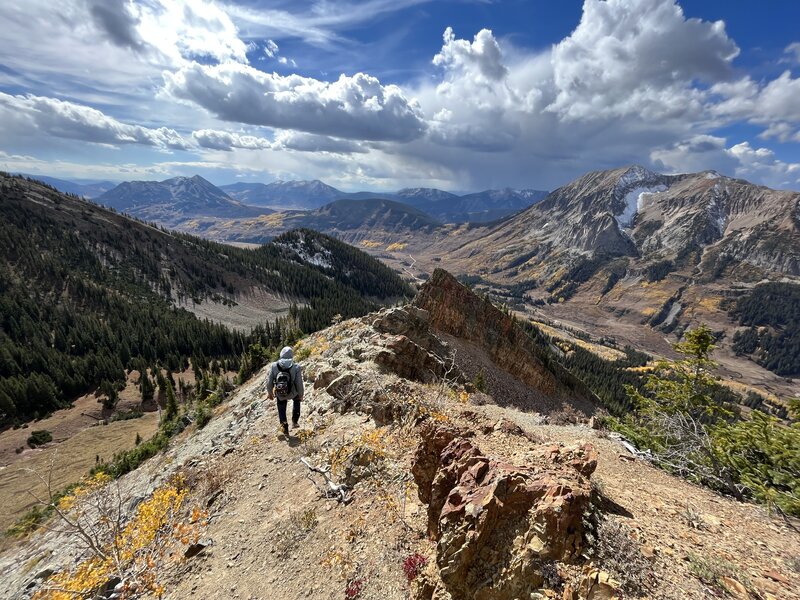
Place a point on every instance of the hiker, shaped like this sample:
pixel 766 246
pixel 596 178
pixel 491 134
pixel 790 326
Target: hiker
pixel 286 378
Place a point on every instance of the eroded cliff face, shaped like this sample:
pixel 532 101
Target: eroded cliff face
pixel 455 310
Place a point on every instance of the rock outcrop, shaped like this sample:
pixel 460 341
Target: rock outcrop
pixel 497 524
pixel 455 310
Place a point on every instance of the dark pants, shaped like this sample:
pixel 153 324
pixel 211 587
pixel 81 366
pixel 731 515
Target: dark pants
pixel 295 410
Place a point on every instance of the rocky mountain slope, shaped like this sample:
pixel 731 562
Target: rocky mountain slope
pixel 632 212
pixel 437 492
pixel 172 201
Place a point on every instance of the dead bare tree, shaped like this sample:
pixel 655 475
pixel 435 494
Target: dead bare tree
pixel 333 490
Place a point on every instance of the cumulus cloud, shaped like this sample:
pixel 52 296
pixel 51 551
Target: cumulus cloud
pixel 698 153
pixel 223 140
pixel 38 114
pixel 760 164
pixel 740 160
pixel 482 57
pixel 357 107
pixel 638 58
pixel 772 104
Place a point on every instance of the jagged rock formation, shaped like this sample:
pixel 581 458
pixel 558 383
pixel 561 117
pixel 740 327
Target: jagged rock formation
pixel 496 524
pixel 457 311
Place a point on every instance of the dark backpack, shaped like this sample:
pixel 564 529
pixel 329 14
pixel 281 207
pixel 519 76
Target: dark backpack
pixel 283 381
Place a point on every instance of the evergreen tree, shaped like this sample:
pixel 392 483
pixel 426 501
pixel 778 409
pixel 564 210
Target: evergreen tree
pixel 171 407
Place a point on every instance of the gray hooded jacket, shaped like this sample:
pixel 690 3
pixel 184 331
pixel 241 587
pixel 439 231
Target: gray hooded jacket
pixel 286 362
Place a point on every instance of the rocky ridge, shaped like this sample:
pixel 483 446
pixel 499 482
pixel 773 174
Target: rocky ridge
pixel 501 506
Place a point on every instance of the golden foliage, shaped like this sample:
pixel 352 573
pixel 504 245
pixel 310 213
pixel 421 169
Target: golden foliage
pixel 396 247
pixel 134 551
pixel 370 243
pixel 88 485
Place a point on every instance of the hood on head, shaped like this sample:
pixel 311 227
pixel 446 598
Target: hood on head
pixel 287 355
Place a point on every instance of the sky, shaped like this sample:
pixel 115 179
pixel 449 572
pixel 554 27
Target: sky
pixel 384 94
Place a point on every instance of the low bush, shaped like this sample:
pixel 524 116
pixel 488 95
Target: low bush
pixel 37 438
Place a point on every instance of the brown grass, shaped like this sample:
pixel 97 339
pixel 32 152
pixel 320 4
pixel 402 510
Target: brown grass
pixel 70 459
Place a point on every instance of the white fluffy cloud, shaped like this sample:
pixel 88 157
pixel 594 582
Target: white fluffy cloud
pixel 638 58
pixel 740 160
pixel 31 115
pixel 224 140
pixel 285 140
pixel 481 58
pixel 357 107
pixel 773 104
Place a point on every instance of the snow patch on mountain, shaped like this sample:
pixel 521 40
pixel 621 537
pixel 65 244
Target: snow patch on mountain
pixel 634 202
pixel 314 255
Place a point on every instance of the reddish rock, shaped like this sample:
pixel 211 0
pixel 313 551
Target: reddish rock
pixel 496 523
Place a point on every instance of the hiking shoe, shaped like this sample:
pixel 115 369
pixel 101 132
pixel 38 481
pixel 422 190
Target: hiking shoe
pixel 295 424
pixel 285 427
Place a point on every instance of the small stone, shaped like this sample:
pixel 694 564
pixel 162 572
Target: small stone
pixel 775 576
pixel 736 589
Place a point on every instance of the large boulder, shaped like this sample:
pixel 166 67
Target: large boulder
pixel 495 523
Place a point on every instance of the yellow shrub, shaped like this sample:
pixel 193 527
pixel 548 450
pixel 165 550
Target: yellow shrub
pixel 396 247
pixel 135 550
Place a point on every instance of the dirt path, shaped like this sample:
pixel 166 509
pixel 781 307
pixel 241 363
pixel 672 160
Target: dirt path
pixel 275 538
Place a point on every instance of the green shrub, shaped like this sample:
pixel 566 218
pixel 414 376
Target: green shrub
pixel 687 423
pixel 37 438
pixel 202 415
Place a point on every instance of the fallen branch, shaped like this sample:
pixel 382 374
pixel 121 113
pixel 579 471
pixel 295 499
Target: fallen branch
pixel 335 490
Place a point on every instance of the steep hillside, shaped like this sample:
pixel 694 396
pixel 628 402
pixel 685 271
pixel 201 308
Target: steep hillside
pixel 172 201
pixel 342 262
pixel 87 294
pixel 404 481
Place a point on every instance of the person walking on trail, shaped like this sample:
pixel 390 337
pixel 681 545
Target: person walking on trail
pixel 285 382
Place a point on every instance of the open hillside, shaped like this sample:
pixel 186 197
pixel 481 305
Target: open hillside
pixel 405 480
pixel 88 294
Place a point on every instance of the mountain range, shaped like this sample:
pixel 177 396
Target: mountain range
pixel 171 201
pixel 625 253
